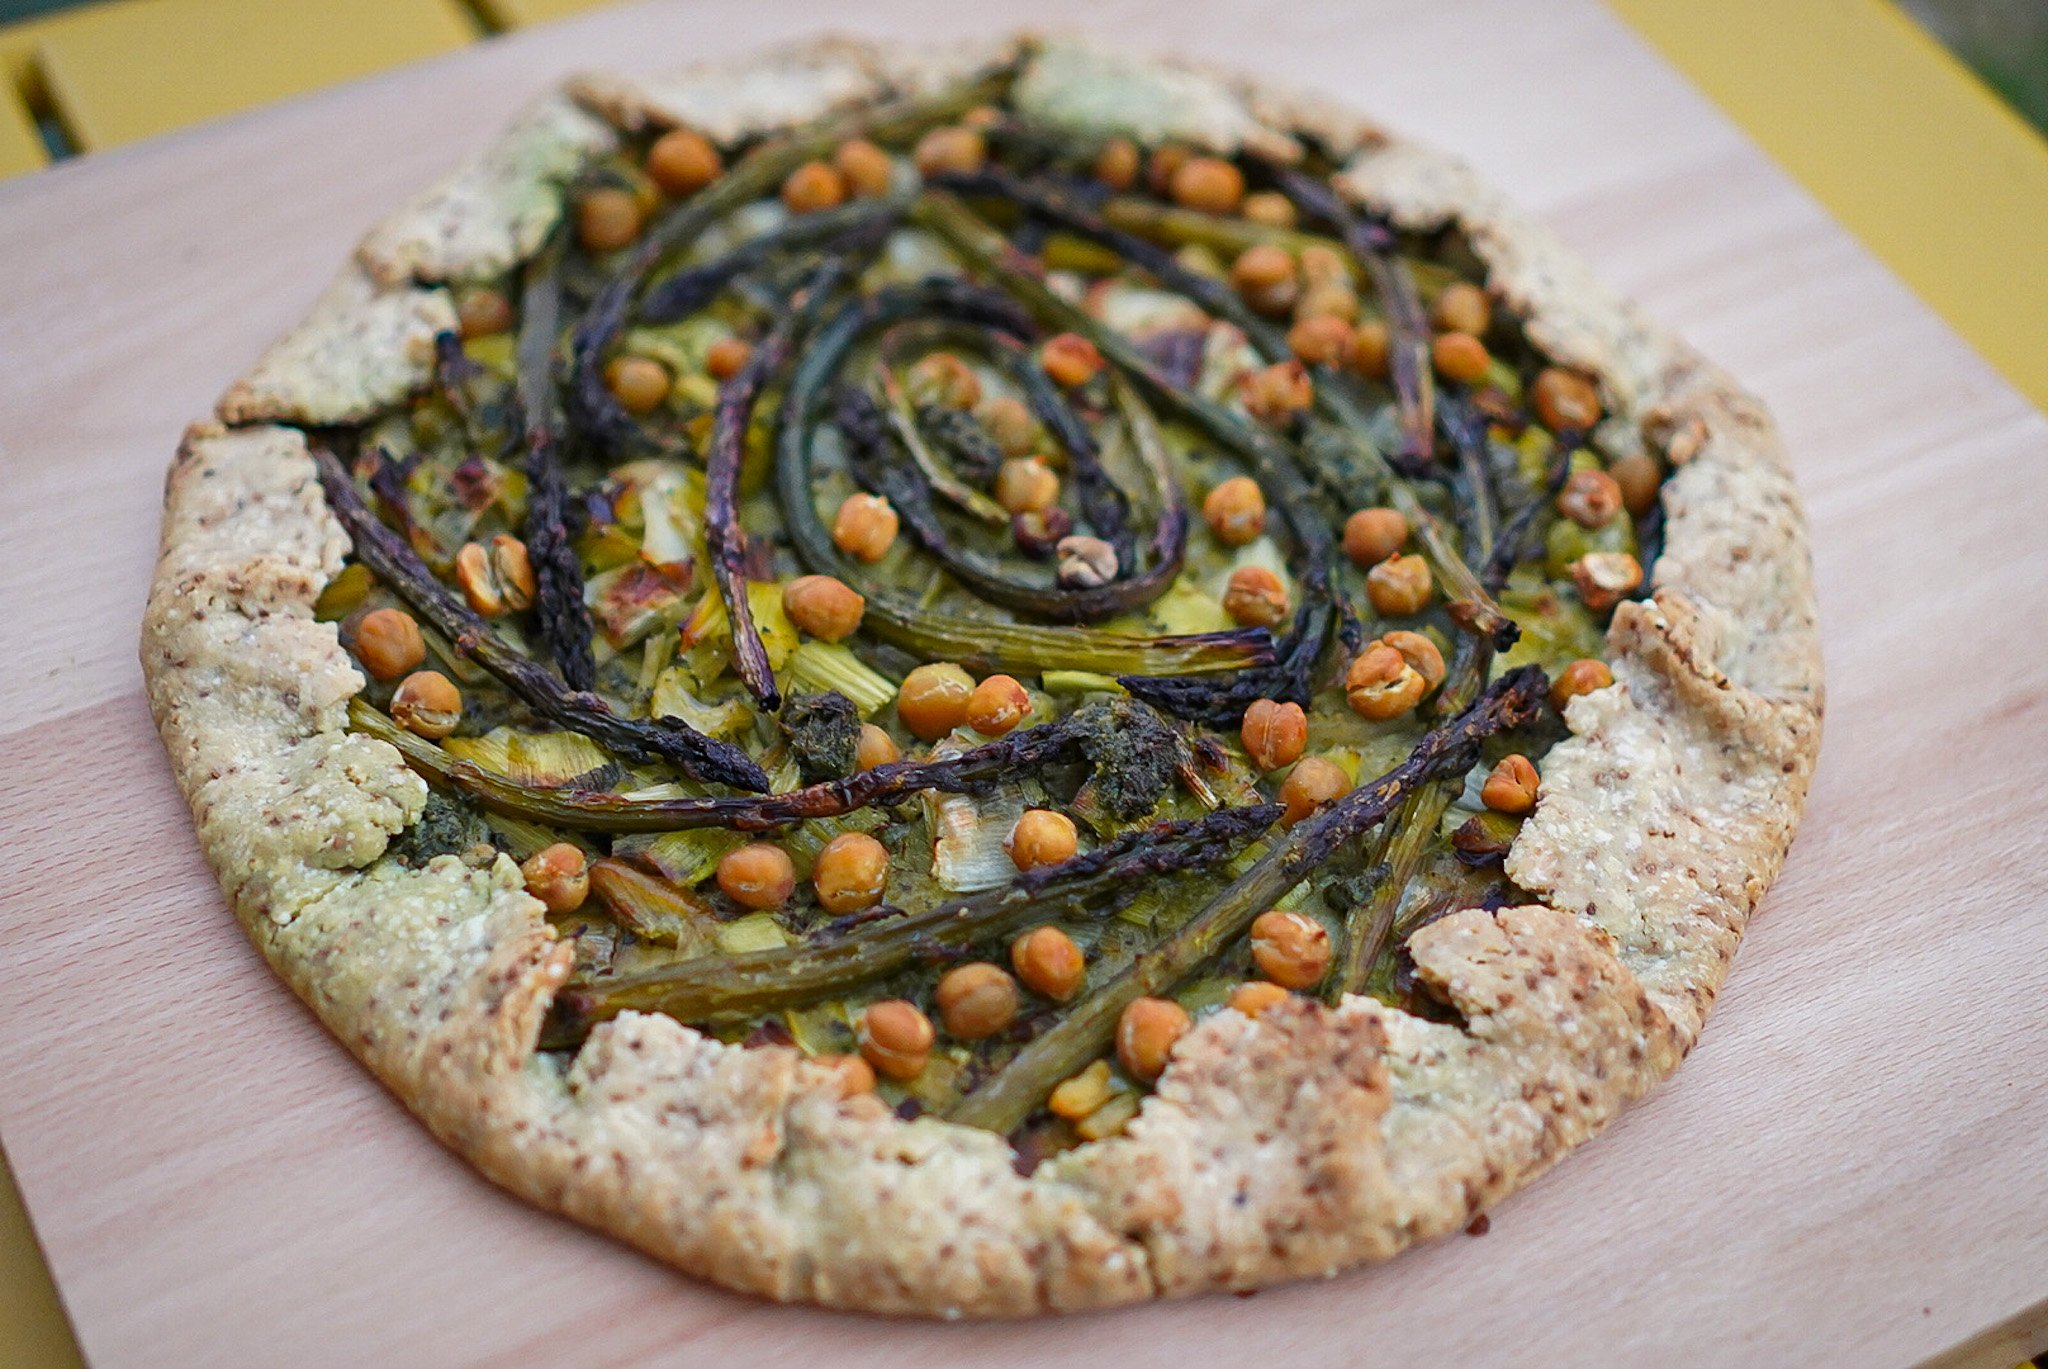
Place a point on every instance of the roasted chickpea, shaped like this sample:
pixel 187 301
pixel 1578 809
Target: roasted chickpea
pixel 1372 535
pixel 558 877
pixel 1116 166
pixel 875 747
pixel 943 379
pixel 1459 357
pixel 976 1001
pixel 1582 676
pixel 483 312
pixel 1399 585
pixel 1209 184
pixel 827 609
pixel 1462 308
pixel 852 1073
pixel 1590 498
pixel 640 384
pixel 1511 788
pixel 865 527
pixel 1372 350
pixel 1291 949
pixel 1236 511
pixel 497 580
pixel 1419 652
pixel 1264 275
pixel 1049 963
pixel 1276 393
pixel 1381 684
pixel 1565 400
pixel 812 187
pixel 866 169
pixel 1329 299
pixel 1271 208
pixel 1070 359
pixel 1041 837
pixel 896 1038
pixel 932 699
pixel 1324 265
pixel 851 873
pixel 1010 424
pixel 1084 562
pixel 1026 485
pixel 950 149
pixel 427 703
pixel 1313 782
pixel 1075 1097
pixel 682 162
pixel 388 643
pixel 1605 578
pixel 608 219
pixel 1146 1035
pixel 1255 597
pixel 1255 996
pixel 757 876
pixel 1640 480
pixel 1039 532
pixel 997 705
pixel 1273 733
pixel 1162 164
pixel 1320 340
pixel 727 357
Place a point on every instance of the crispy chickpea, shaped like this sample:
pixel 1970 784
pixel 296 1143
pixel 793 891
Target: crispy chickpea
pixel 1162 164
pixel 608 219
pixel 1026 485
pixel 1372 535
pixel 1209 184
pixel 1041 837
pixel 1330 299
pixel 1565 400
pixel 483 312
pixel 1381 684
pixel 1255 597
pixel 1511 788
pixel 1038 533
pixel 943 379
pixel 1462 308
pixel 875 747
pixel 683 161
pixel 1255 996
pixel 1070 359
pixel 1271 208
pixel 427 703
pixel 896 1038
pixel 1605 578
pixel 997 705
pixel 498 580
pixel 1399 585
pixel 1324 265
pixel 851 1073
pixel 1116 166
pixel 1291 949
pixel 812 187
pixel 1273 733
pixel 1372 349
pixel 558 877
pixel 976 1001
pixel 1075 1097
pixel 1582 676
pixel 1236 511
pixel 1460 357
pixel 1263 275
pixel 1313 782
pixel 851 873
pixel 1278 392
pixel 638 383
pixel 865 527
pixel 1320 340
pixel 1084 562
pixel 727 357
pixel 1590 498
pixel 1010 424
pixel 1146 1034
pixel 1419 652
pixel 1639 479
pixel 932 699
pixel 757 876
pixel 1049 963
pixel 950 149
pixel 388 643
pixel 827 609
pixel 866 169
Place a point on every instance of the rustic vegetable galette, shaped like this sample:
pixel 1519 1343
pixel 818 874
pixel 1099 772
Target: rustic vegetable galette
pixel 991 682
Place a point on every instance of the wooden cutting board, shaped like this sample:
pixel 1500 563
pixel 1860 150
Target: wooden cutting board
pixel 1854 1168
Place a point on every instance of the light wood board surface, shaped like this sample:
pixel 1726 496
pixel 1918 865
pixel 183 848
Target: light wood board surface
pixel 1852 1168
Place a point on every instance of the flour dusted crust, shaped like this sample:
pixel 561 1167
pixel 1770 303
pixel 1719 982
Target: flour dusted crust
pixel 1302 1142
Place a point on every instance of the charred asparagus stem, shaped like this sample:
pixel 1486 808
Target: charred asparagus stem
pixel 1007 1098
pixel 682 294
pixel 659 739
pixel 734 988
pixel 896 411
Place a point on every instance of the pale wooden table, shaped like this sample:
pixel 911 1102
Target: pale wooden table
pixel 1854 1168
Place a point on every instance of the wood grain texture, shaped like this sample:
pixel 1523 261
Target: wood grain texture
pixel 1854 1168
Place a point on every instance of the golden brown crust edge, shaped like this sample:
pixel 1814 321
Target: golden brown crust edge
pixel 1662 822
